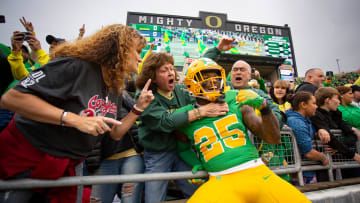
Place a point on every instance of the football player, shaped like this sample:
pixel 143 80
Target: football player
pixel 222 144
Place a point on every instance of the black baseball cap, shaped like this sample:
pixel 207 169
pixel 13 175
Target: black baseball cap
pixel 50 39
pixel 355 88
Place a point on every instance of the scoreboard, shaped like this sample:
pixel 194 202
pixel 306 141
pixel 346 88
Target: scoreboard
pixel 188 37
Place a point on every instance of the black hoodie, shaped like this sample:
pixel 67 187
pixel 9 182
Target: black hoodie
pixel 306 86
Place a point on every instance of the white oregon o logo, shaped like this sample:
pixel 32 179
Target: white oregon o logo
pixel 207 21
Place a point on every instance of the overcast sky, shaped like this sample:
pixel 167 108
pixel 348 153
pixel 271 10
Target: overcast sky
pixel 322 30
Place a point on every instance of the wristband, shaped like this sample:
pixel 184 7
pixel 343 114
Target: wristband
pixel 200 117
pixel 136 111
pixel 195 116
pixel 323 158
pixel 63 114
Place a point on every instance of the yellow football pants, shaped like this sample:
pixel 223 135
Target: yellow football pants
pixel 255 185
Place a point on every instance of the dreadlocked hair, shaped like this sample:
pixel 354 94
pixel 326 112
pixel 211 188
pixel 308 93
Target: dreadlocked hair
pixel 110 48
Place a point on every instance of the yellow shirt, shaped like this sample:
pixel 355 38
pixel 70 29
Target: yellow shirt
pixel 285 106
pixel 18 69
pixel 126 153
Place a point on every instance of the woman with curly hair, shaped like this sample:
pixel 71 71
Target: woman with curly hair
pixel 65 107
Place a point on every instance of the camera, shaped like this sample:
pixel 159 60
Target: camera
pixel 253 70
pixel 25 36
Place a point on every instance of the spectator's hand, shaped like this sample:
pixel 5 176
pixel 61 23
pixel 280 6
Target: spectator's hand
pixel 145 97
pixel 34 43
pixel 81 32
pixel 214 109
pixel 325 162
pixel 94 125
pixel 152 46
pixel 249 97
pixel 257 75
pixel 324 136
pixel 329 150
pixel 225 44
pixel 27 24
pixel 17 41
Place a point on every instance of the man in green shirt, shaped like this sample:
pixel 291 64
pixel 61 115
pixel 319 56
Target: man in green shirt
pixel 241 75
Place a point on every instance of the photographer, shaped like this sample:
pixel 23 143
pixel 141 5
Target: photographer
pixel 21 60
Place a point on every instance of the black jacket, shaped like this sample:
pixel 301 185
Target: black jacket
pixel 306 86
pixel 108 146
pixel 333 120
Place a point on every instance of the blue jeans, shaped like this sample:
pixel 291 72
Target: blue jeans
pixel 17 196
pixel 157 162
pixel 130 192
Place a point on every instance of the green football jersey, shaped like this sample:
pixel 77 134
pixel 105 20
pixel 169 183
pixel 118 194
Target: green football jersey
pixel 221 142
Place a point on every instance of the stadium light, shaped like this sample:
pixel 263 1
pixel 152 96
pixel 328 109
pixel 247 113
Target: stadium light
pixel 337 61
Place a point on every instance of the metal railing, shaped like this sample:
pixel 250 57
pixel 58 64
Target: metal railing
pixel 296 164
pixel 286 151
pixel 95 180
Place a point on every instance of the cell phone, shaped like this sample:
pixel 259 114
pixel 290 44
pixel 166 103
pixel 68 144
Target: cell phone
pixel 2 19
pixel 24 36
pixel 253 70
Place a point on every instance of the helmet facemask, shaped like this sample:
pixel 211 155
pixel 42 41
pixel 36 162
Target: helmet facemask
pixel 205 79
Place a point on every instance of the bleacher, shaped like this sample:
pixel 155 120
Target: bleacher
pixel 337 79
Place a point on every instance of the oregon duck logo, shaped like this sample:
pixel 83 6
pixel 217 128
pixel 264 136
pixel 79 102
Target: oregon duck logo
pixel 209 22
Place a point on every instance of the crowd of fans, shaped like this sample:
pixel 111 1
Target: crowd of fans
pixel 336 80
pixel 310 107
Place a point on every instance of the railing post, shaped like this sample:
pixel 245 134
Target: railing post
pixel 297 158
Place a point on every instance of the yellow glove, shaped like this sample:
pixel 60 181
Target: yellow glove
pixel 197 181
pixel 249 97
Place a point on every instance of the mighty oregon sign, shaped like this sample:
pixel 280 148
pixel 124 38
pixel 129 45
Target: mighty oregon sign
pixel 185 36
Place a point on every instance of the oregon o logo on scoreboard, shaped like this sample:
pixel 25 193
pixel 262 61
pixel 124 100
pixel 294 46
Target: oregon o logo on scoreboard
pixel 208 21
